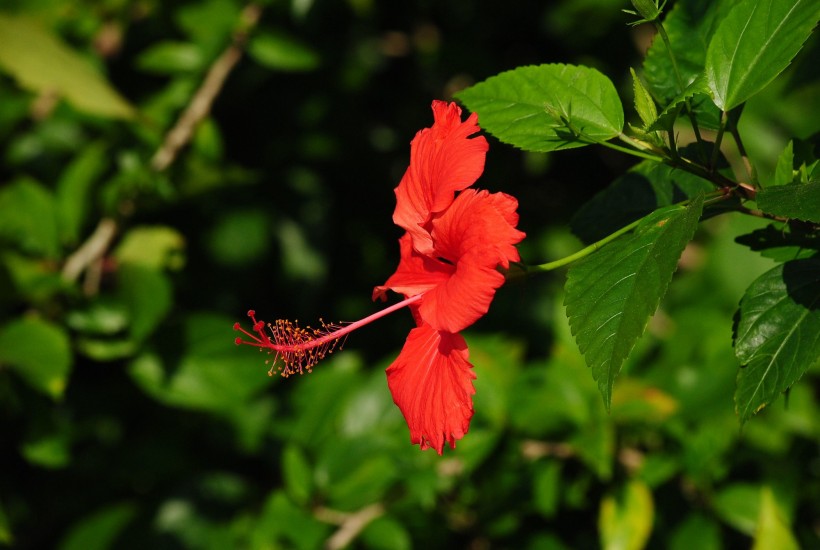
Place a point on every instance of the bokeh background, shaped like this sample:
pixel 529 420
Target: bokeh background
pixel 128 417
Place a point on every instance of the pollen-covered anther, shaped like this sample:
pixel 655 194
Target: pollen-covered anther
pixel 295 349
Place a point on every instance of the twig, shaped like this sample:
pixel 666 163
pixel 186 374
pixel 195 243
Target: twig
pixel 91 250
pixel 200 105
pixel 350 525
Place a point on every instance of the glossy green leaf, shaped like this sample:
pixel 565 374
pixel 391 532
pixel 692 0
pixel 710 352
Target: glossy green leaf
pixel 755 43
pixel 547 107
pixel 28 218
pixel 99 530
pixel 43 63
pixel 777 334
pixel 798 201
pixel 625 520
pixel 666 119
pixel 278 51
pixel 644 104
pixel 40 353
pixel 772 528
pixel 172 57
pixel 646 187
pixel 611 294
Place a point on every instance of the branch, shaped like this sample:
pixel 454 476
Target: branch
pixel 200 105
pixel 350 524
pixel 91 250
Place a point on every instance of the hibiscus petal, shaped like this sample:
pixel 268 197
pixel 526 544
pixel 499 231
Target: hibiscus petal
pixel 415 274
pixel 431 382
pixel 443 160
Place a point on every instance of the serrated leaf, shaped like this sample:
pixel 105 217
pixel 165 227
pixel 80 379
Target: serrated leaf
pixel 43 63
pixel 39 351
pixel 644 104
pixel 542 108
pixel 611 294
pixel 784 169
pixel 666 119
pixel 755 43
pixel 797 201
pixel 777 337
pixel 689 26
pixel 643 189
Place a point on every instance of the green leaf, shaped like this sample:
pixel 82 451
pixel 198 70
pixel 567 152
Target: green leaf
pixel 783 242
pixel 777 334
pixel 99 530
pixel 278 51
pixel 643 189
pixel 148 294
pixel 739 506
pixel 772 528
pixel 43 63
pixel 644 104
pixel 611 294
pixel 28 218
pixel 73 190
pixel 40 353
pixel 6 536
pixel 172 57
pixel 784 169
pixel 625 521
pixel 666 119
pixel 689 26
pixel 798 201
pixel 297 474
pixel 545 107
pixel 155 247
pixel 754 44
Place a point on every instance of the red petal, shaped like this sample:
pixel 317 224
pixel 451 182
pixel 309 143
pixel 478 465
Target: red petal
pixel 443 160
pixel 431 382
pixel 477 233
pixel 415 274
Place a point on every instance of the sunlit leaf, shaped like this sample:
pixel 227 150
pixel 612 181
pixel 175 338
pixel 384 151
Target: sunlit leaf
pixel 43 63
pixel 777 334
pixel 155 247
pixel 784 169
pixel 39 351
pixel 171 57
pixel 611 294
pixel 772 528
pixel 755 43
pixel 798 201
pixel 547 107
pixel 644 104
pixel 625 520
pixel 739 506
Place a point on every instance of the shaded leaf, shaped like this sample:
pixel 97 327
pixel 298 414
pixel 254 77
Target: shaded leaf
pixel 646 187
pixel 777 337
pixel 148 295
pixel 28 218
pixel 783 242
pixel 784 169
pixel 43 63
pixel 666 119
pixel 798 201
pixel 544 107
pixel 171 57
pixel 754 43
pixel 689 26
pixel 39 351
pixel 625 521
pixel 611 294
pixel 73 188
pixel 99 530
pixel 278 51
pixel 739 506
pixel 297 474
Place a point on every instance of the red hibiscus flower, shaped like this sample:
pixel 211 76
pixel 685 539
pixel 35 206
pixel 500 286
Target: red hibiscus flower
pixel 455 242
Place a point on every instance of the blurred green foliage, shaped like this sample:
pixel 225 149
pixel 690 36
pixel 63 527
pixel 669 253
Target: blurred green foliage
pixel 128 417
